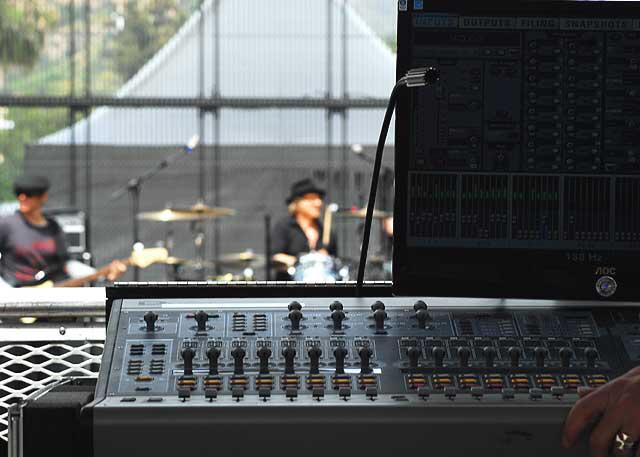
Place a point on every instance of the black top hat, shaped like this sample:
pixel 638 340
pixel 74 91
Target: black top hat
pixel 304 186
pixel 31 185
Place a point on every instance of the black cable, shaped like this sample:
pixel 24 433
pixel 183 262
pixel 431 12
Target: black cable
pixel 417 77
pixel 374 183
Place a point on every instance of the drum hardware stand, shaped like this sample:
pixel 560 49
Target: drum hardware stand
pixel 197 228
pixel 134 186
pixel 267 246
pixel 417 77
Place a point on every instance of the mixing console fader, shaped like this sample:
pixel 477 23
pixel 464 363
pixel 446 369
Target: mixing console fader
pixel 272 375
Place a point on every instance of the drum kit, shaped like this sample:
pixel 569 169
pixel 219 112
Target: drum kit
pixel 241 266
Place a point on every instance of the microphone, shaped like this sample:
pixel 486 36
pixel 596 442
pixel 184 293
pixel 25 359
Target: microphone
pixel 420 77
pixel 192 144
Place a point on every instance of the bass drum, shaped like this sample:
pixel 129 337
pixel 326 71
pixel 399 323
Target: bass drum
pixel 317 267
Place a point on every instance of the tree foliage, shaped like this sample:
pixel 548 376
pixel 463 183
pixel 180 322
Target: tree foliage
pixel 22 31
pixel 149 24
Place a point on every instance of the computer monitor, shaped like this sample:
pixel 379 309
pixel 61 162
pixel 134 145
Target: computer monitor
pixel 518 174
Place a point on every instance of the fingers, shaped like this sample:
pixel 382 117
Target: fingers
pixel 584 391
pixel 603 435
pixel 585 410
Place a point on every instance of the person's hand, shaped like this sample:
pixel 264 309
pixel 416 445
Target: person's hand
pixel 285 259
pixel 387 225
pixel 116 269
pixel 616 404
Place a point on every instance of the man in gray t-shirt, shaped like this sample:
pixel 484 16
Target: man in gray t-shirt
pixel 32 245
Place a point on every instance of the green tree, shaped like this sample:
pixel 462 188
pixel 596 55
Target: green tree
pixel 22 32
pixel 149 24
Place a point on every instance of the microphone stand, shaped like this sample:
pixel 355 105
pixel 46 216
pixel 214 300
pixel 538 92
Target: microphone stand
pixel 134 187
pixel 417 77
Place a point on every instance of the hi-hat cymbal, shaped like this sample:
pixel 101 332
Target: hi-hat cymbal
pixel 361 213
pixel 194 213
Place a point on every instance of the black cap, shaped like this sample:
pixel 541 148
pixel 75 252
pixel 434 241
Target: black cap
pixel 302 187
pixel 31 185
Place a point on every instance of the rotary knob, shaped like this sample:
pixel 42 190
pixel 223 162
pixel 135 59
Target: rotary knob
pixel 591 354
pixel 295 316
pixel 340 354
pixel 365 354
pixel 201 318
pixel 514 355
pixel 489 355
pixel 414 354
pixel 238 360
pixel 438 354
pixel 418 305
pixel 464 354
pixel 337 316
pixel 294 305
pixel 150 319
pixel 566 354
pixel 289 355
pixel 379 316
pixel 540 355
pixel 188 355
pixel 263 354
pixel 213 354
pixel 423 317
pixel 336 305
pixel 314 360
pixel 377 305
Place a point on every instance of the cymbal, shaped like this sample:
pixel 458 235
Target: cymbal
pixel 188 262
pixel 361 213
pixel 240 257
pixel 195 213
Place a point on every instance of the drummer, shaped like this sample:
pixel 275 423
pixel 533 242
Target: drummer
pixel 301 231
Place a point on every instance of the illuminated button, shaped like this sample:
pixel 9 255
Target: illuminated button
pixel 144 378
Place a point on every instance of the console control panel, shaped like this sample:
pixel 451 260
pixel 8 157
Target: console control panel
pixel 349 348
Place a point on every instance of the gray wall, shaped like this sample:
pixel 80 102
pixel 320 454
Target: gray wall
pixel 254 182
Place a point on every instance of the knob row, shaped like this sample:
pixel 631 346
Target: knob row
pixel 264 354
pixel 489 354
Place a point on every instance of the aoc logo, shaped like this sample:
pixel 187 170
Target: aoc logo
pixel 611 271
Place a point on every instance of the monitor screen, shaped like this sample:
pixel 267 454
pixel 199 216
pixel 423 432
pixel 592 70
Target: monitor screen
pixel 518 174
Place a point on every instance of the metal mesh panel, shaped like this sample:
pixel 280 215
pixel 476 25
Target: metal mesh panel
pixel 27 366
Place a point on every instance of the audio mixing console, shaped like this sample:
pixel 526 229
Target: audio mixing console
pixel 266 376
